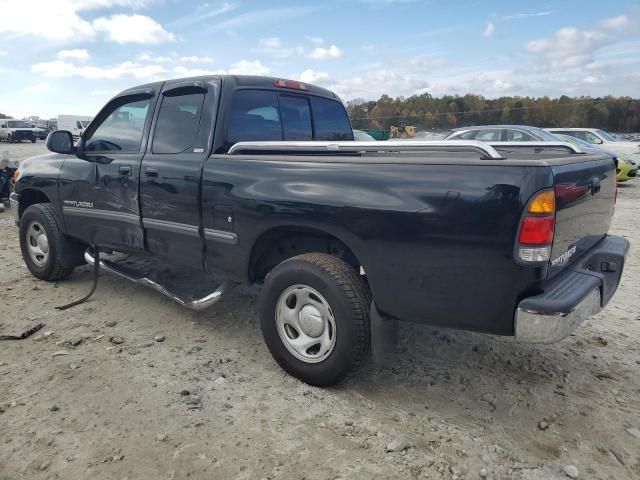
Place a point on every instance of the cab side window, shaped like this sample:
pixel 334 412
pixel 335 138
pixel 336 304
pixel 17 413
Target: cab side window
pixel 178 122
pixel 122 130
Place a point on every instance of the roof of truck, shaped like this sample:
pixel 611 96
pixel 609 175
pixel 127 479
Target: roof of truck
pixel 242 81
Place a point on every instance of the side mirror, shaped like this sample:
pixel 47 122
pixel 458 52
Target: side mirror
pixel 598 141
pixel 60 141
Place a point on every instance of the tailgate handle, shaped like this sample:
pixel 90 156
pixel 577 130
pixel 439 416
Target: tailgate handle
pixel 595 185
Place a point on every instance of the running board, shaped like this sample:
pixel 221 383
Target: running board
pixel 194 304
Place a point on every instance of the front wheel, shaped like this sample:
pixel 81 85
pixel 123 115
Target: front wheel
pixel 33 140
pixel 314 315
pixel 48 254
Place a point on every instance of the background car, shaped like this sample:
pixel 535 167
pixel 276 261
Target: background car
pixel 360 136
pixel 626 169
pixel 595 136
pixel 502 133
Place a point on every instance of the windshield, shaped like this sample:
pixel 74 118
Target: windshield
pixel 17 124
pixel 607 136
pixel 575 141
pixel 85 123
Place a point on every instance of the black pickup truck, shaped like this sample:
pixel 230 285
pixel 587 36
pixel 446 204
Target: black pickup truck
pixel 192 186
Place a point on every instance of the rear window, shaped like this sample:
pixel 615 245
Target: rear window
pixel 331 120
pixel 266 115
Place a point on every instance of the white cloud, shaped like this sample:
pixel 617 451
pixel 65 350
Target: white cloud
pixel 571 47
pixel 246 67
pixel 61 20
pixel 271 42
pixel 135 28
pixel 80 54
pixel 273 46
pixel 61 69
pixel 320 53
pixel 316 40
pixel 44 18
pixel 196 59
pixel 616 23
pixel 267 16
pixel 311 76
pixel 37 88
pixel 520 16
pixel 489 29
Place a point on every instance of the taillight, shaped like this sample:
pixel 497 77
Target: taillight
pixel 537 231
pixel 537 228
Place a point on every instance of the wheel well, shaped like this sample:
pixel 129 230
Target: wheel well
pixel 279 244
pixel 31 197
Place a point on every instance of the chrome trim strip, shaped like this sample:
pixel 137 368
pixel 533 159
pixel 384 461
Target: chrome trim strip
pixel 549 327
pixel 221 236
pixel 569 146
pixel 196 304
pixel 102 214
pixel 173 227
pixel 355 147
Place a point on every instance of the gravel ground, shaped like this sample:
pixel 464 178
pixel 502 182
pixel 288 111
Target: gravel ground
pixel 93 395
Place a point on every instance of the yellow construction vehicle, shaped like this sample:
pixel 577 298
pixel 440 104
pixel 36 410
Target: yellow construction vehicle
pixel 403 131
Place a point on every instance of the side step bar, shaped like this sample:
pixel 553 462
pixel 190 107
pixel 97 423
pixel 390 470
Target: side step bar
pixel 195 304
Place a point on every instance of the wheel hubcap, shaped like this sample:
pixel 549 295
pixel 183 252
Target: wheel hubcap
pixel 305 323
pixel 37 244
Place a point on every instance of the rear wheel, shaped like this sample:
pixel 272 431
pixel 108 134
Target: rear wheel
pixel 314 314
pixel 45 250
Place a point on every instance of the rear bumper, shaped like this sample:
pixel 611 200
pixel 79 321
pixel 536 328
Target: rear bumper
pixel 577 293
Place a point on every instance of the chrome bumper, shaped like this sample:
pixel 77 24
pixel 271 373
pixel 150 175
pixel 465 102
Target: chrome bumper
pixel 549 327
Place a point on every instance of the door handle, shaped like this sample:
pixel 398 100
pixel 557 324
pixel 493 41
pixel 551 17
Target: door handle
pixel 124 170
pixel 151 172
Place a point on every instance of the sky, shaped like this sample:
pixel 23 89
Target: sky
pixel 71 56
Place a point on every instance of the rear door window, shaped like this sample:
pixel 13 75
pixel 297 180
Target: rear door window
pixel 331 120
pixel 519 136
pixel 178 122
pixel 489 135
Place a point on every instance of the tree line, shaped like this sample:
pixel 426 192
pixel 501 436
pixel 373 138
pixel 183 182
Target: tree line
pixel 615 114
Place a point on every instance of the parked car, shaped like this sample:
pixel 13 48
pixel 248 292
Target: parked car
pixel 626 167
pixel 241 179
pixel 599 137
pixel 501 133
pixel 362 136
pixel 12 130
pixel 40 132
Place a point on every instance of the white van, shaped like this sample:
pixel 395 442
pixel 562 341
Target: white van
pixel 75 124
pixel 12 130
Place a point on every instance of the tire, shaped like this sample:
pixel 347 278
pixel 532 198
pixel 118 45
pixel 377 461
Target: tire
pixel 33 140
pixel 331 293
pixel 9 139
pixel 59 255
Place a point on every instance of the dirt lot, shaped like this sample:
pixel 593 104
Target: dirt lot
pixel 471 406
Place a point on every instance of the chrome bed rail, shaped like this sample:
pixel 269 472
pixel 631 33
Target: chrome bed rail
pixel 323 147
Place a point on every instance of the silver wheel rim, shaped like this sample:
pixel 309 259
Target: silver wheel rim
pixel 37 244
pixel 306 324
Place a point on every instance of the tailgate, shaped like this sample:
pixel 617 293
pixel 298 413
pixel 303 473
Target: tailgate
pixel 585 197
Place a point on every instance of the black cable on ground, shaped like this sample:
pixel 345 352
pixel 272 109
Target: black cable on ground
pixel 96 271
